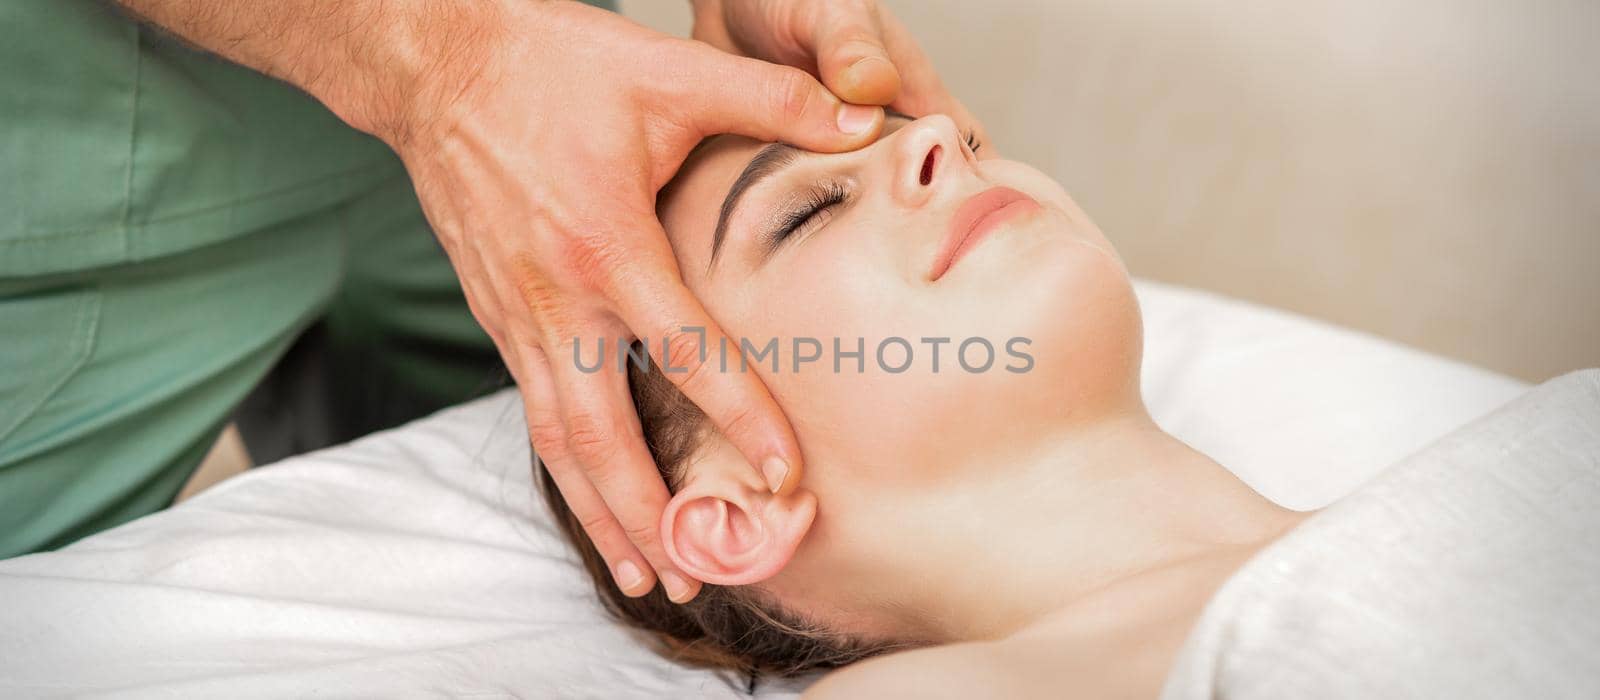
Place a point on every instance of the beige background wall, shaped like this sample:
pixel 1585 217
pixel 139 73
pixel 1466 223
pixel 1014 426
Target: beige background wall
pixel 1427 171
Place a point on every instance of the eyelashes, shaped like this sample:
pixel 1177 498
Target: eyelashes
pixel 811 212
pixel 973 144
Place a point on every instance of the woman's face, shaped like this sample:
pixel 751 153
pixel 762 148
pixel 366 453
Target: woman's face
pixel 831 254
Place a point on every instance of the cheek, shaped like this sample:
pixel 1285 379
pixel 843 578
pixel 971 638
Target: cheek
pixel 843 281
pixel 838 294
pixel 1087 338
pixel 842 297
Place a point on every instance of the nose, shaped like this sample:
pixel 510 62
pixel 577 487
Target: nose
pixel 927 153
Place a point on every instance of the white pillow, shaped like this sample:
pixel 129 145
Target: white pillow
pixel 420 561
pixel 1302 411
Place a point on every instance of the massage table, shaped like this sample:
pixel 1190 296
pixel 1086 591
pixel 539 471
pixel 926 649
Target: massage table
pixel 420 562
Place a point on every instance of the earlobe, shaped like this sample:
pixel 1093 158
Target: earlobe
pixel 734 535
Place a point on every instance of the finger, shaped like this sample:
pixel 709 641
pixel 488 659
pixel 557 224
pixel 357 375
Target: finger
pixel 629 569
pixel 736 95
pixel 604 441
pixel 921 89
pixel 484 304
pixel 695 355
pixel 851 58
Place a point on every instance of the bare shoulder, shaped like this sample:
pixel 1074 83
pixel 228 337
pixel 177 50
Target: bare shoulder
pixel 975 669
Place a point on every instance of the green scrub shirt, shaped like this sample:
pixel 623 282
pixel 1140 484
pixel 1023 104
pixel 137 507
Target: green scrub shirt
pixel 169 224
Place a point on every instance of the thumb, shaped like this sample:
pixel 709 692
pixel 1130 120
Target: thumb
pixel 852 60
pixel 765 101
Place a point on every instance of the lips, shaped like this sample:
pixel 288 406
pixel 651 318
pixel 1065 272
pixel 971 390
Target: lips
pixel 976 218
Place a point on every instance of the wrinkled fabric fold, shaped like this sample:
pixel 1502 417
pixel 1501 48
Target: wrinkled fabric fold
pixel 1469 570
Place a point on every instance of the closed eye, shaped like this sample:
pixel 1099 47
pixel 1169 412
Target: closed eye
pixel 812 212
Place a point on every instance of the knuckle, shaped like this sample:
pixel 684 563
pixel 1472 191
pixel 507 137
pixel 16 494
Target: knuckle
pixel 643 535
pixel 595 257
pixel 595 523
pixel 548 439
pixel 793 91
pixel 625 276
pixel 544 300
pixel 741 421
pixel 682 354
pixel 592 439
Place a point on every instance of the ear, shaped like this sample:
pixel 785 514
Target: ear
pixel 732 531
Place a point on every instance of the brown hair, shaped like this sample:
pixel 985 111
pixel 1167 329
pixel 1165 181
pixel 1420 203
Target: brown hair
pixel 738 628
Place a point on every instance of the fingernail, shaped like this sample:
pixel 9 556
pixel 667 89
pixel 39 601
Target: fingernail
pixel 854 119
pixel 857 72
pixel 629 576
pixel 774 470
pixel 677 588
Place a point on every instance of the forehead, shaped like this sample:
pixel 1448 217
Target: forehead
pixel 688 205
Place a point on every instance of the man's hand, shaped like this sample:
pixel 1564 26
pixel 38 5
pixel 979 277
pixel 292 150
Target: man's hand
pixel 537 135
pixel 860 51
pixel 539 176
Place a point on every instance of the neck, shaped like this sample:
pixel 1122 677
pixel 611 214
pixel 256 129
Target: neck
pixel 1081 515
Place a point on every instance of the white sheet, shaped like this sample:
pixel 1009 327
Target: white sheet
pixel 1468 570
pixel 417 562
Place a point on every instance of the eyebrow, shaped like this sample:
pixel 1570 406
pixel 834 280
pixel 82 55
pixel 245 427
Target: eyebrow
pixel 771 159
pixel 768 161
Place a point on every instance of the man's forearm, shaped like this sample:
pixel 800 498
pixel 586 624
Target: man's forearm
pixel 373 62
